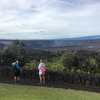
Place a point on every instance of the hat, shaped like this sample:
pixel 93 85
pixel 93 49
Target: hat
pixel 40 60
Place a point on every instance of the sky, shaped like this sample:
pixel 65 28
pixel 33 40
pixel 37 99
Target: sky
pixel 49 19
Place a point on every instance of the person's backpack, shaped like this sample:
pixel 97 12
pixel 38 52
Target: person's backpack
pixel 43 69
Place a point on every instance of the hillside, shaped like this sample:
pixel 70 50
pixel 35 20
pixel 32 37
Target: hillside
pixel 89 44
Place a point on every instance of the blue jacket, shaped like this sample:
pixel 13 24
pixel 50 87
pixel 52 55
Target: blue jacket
pixel 17 66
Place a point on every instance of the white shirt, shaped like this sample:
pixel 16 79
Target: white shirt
pixel 40 66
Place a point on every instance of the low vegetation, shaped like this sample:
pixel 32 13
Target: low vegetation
pixel 81 61
pixel 82 66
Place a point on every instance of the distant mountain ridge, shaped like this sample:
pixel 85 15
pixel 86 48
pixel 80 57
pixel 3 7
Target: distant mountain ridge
pixel 82 38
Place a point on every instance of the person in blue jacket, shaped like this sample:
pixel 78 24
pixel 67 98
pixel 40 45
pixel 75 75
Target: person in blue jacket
pixel 16 72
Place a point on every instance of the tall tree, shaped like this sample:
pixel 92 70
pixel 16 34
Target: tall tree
pixel 17 50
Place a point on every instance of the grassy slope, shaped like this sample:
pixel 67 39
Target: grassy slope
pixel 22 92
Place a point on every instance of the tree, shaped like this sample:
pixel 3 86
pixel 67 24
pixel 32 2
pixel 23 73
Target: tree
pixel 15 51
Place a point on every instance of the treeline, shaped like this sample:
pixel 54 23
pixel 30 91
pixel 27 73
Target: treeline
pixel 80 61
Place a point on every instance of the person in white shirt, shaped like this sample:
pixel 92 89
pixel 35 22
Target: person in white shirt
pixel 41 73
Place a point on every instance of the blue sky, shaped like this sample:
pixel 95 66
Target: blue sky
pixel 49 19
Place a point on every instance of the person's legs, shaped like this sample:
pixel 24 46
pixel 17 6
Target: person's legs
pixel 18 80
pixel 43 75
pixel 15 79
pixel 18 77
pixel 40 77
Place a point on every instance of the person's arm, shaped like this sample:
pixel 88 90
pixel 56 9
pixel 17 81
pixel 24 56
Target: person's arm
pixel 13 64
pixel 39 66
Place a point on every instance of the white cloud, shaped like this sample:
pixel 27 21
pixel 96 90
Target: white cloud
pixel 49 18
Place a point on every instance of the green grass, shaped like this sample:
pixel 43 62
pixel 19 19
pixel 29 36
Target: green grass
pixel 21 92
